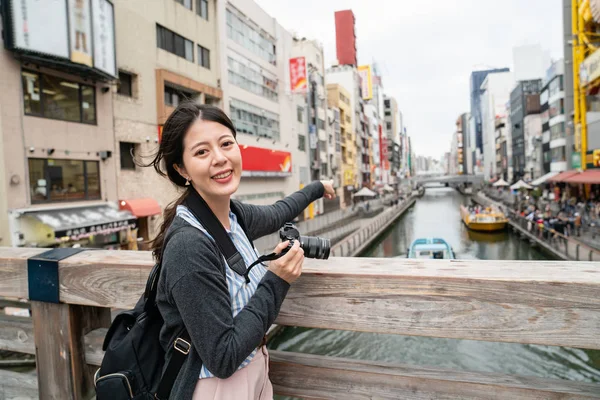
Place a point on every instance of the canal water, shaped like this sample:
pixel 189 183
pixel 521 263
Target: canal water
pixel 437 214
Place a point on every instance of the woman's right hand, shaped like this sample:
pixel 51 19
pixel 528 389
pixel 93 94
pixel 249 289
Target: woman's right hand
pixel 289 266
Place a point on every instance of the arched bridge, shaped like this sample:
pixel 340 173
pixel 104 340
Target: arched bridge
pixel 450 179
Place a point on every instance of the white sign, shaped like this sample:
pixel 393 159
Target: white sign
pixel 41 27
pixel 104 36
pixel 80 31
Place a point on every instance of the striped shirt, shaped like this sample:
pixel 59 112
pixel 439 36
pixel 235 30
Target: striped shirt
pixel 239 292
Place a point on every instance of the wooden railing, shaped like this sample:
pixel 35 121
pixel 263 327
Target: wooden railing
pixel 538 302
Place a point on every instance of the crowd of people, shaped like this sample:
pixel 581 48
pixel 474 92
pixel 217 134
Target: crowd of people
pixel 563 210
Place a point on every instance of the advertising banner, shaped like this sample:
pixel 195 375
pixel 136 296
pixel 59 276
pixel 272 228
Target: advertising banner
pixel 258 161
pixel 40 29
pixel 104 36
pixel 298 76
pixel 80 31
pixel 589 70
pixel 366 82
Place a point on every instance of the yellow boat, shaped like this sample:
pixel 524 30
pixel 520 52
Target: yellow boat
pixel 488 220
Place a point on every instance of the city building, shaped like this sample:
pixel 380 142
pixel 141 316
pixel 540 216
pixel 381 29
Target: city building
pixel 532 133
pixel 476 149
pixel 255 53
pixel 345 37
pixel 501 148
pixel 495 93
pixel 58 165
pixel 347 76
pixel 467 155
pixel 167 53
pixel 339 98
pixel 524 101
pixel 554 121
pixel 460 145
pixel 568 84
pixel 374 145
pixel 392 129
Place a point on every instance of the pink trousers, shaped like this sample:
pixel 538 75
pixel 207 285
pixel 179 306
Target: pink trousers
pixel 249 383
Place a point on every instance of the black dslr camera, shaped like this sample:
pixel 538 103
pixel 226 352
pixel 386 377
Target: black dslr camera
pixel 313 246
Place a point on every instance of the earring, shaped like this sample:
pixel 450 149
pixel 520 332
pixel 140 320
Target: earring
pixel 187 182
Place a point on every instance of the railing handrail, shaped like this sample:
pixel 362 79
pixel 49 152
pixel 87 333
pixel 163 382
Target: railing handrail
pixel 105 278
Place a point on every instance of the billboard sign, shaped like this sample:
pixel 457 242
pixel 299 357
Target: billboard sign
pixel 366 82
pixel 80 32
pixel 104 36
pixel 258 161
pixel 40 29
pixel 298 77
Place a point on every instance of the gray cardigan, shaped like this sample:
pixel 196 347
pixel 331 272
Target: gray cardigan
pixel 192 292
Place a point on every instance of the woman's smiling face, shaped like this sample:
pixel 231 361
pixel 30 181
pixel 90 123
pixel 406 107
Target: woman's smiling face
pixel 211 159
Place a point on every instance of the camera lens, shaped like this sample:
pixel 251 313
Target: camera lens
pixel 315 247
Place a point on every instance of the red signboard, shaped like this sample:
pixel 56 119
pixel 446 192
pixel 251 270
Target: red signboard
pixel 258 161
pixel 298 80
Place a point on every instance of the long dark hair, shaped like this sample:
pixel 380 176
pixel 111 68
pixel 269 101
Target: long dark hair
pixel 170 153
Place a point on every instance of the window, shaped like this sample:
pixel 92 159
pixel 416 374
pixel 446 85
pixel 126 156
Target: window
pixel 557 131
pixel 186 3
pixel 174 43
pixel 244 33
pixel 63 180
pixel 300 113
pixel 175 96
pixel 387 113
pixel 127 151
pixel 203 57
pixel 51 97
pixel 250 76
pixel 202 8
pixel 125 85
pixel 388 125
pixel 301 142
pixel 558 154
pixel 321 124
pixel 386 103
pixel 557 108
pixel 254 120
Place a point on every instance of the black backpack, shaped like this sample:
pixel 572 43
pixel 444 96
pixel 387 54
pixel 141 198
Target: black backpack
pixel 134 359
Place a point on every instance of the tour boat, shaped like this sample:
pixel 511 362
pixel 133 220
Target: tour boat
pixel 488 220
pixel 435 248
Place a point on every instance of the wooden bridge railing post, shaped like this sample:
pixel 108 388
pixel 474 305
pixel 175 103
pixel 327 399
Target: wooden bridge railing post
pixel 59 331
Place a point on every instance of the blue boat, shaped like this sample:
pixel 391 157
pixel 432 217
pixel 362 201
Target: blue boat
pixel 432 248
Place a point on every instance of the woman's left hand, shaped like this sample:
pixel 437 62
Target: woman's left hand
pixel 329 190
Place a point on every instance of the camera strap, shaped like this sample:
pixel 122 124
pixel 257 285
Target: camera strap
pixel 196 204
pixel 266 257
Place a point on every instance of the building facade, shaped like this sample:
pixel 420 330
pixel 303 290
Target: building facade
pixel 255 52
pixel 167 53
pixel 524 100
pixel 475 81
pixel 345 37
pixel 58 167
pixel 338 98
pixel 495 93
pixel 554 120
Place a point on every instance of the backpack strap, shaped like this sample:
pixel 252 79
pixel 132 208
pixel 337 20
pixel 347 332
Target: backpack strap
pixel 238 213
pixel 183 346
pixel 213 226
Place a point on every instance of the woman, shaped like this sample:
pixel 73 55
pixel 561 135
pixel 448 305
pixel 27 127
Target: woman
pixel 225 317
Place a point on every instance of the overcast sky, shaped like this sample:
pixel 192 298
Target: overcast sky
pixel 426 50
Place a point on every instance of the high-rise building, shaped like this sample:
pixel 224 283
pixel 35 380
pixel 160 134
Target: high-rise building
pixel 477 78
pixel 554 120
pixel 255 52
pixel 345 37
pixel 524 101
pixel 495 93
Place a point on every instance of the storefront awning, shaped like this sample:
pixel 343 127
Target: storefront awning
pixel 591 176
pixel 82 222
pixel 563 176
pixel 140 207
pixel 544 178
